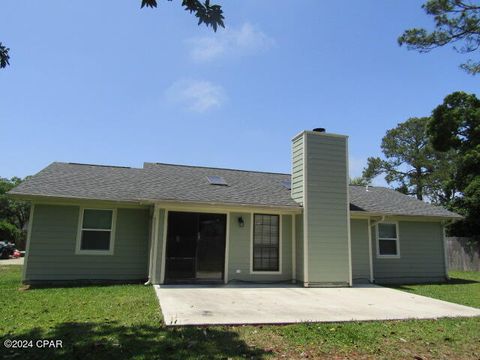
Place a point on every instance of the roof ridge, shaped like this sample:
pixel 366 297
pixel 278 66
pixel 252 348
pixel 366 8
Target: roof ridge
pixel 100 165
pixel 216 168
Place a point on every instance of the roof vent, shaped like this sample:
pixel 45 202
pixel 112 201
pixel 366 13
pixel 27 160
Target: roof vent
pixel 216 180
pixel 320 130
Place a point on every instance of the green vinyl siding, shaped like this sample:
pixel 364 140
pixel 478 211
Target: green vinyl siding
pixel 360 254
pixel 240 254
pixel 299 247
pixel 421 255
pixel 297 169
pixel 51 252
pixel 286 246
pixel 326 209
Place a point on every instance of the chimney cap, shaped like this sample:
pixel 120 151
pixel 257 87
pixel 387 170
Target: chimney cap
pixel 319 129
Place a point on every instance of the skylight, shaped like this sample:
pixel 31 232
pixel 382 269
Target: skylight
pixel 287 184
pixel 216 180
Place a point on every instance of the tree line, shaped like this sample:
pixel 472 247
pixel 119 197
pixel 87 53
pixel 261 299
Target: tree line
pixel 436 159
pixel 13 215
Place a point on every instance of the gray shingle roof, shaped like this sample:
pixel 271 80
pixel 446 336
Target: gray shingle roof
pixel 390 202
pixel 157 182
pixel 165 182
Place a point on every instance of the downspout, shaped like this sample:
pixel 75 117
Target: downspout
pixel 379 221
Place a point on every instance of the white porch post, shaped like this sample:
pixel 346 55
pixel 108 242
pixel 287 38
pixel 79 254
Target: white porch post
pixel 29 240
pixel 155 227
pixel 227 249
pixel 370 255
pixel 294 250
pixel 164 244
pixel 153 244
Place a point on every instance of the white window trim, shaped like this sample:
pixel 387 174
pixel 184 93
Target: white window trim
pixel 280 241
pixel 397 240
pixel 78 250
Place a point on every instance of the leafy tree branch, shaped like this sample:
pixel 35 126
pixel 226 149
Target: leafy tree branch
pixel 409 159
pixel 456 21
pixel 210 15
pixel 455 126
pixel 206 13
pixel 4 56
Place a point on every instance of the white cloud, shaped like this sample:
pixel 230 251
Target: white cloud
pixel 246 40
pixel 196 95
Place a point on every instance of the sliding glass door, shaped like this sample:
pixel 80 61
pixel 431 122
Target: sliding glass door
pixel 195 247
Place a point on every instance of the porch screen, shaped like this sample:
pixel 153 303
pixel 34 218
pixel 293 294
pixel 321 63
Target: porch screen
pixel 266 243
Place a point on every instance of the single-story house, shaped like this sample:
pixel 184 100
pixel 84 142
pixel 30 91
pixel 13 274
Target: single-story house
pixel 188 224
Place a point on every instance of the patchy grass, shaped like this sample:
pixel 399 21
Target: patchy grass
pixel 124 322
pixel 104 322
pixel 427 339
pixel 457 338
pixel 463 288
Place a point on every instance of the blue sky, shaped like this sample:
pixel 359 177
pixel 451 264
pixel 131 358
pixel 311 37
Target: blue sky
pixel 109 83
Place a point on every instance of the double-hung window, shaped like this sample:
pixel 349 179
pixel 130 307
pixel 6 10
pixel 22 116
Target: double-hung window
pixel 388 245
pixel 266 243
pixel 96 231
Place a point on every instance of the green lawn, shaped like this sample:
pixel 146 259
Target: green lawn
pixel 124 322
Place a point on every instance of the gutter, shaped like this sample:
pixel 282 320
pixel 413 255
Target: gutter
pixel 365 214
pixel 293 209
pixel 32 197
pixel 149 202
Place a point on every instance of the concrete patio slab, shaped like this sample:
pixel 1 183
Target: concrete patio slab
pixel 17 261
pixel 283 304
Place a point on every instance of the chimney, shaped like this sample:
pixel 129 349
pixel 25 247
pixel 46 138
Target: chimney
pixel 320 185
